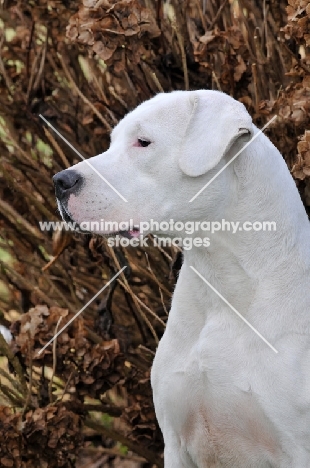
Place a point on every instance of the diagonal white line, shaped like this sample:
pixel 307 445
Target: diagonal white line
pixel 80 311
pixel 232 159
pixel 234 310
pixel 84 159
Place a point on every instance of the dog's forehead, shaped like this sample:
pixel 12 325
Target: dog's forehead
pixel 163 107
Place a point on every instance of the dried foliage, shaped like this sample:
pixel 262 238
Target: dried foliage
pixel 83 65
pixel 104 26
pixel 51 437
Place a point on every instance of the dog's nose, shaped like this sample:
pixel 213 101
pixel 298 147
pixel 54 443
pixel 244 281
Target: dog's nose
pixel 66 182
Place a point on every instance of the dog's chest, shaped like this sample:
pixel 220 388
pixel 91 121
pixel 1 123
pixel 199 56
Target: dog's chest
pixel 206 400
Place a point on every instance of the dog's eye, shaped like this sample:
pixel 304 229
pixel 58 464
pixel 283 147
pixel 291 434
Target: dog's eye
pixel 143 142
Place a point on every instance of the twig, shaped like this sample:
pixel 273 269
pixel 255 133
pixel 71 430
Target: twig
pixel 158 283
pixel 118 98
pixel 62 296
pixel 42 63
pixel 141 271
pixel 133 296
pixel 131 85
pixel 66 386
pixel 216 80
pixel 110 410
pixel 50 385
pixel 218 14
pixel 147 350
pixel 18 219
pixel 136 298
pixel 298 60
pixel 163 252
pixel 201 14
pixel 52 140
pixel 112 452
pixel 11 177
pixel 15 383
pixel 32 75
pixel 82 96
pixel 255 85
pixel 93 78
pixel 51 262
pixel 6 351
pixel 112 434
pixel 183 55
pixel 7 79
pixel 153 76
pixel 261 59
pixel 92 336
pixel 12 397
pixel 28 285
pixel 28 398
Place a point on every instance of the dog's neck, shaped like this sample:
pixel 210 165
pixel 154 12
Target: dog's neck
pixel 265 191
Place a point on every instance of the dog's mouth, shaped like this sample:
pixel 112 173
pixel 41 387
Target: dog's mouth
pixel 134 233
pixel 129 234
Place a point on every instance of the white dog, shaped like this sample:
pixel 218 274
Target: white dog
pixel 223 396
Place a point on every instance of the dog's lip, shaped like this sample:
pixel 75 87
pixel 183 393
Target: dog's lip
pixel 68 219
pixel 130 234
pixel 66 216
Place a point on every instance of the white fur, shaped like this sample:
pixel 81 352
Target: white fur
pixel 223 398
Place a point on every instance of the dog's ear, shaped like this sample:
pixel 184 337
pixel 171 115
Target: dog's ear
pixel 215 124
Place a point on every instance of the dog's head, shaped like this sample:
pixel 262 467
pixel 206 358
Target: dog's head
pixel 161 155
